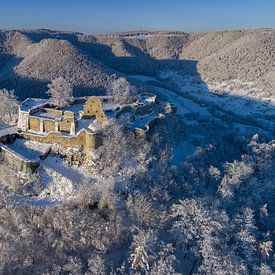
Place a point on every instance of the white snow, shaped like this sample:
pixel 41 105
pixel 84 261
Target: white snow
pixel 234 96
pixel 33 103
pixel 10 130
pixel 143 77
pixel 29 150
pixel 59 178
pixel 75 108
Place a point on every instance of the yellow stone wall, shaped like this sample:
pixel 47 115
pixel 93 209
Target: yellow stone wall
pixel 53 111
pixel 34 123
pixel 88 140
pixel 65 125
pixel 16 161
pixel 49 125
pixel 68 114
pixel 93 107
pixel 141 133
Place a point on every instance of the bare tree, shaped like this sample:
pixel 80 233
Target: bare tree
pixel 8 105
pixel 61 92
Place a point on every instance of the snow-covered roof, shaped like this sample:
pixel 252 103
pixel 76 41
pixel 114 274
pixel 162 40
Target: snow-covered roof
pixel 10 130
pixel 33 103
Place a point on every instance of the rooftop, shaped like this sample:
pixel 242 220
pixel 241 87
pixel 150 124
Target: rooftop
pixel 33 103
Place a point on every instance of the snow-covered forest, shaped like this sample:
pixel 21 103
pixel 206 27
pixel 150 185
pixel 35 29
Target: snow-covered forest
pixel 197 197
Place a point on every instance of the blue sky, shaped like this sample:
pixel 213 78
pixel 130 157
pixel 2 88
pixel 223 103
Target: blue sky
pixel 96 16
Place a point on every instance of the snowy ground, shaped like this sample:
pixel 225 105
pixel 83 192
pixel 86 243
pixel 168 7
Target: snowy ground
pixel 57 182
pixel 60 179
pixel 29 150
pixel 2 124
pixel 240 100
pixel 7 130
pixel 233 103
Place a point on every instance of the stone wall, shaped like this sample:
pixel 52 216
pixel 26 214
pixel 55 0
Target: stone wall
pixel 46 125
pixel 143 132
pixel 55 112
pixel 16 160
pixel 34 123
pixel 23 120
pixel 49 125
pixel 65 124
pixel 93 107
pixel 88 140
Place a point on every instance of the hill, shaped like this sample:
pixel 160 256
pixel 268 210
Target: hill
pixel 29 62
pixel 29 59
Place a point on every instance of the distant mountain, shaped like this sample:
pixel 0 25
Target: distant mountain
pixel 29 59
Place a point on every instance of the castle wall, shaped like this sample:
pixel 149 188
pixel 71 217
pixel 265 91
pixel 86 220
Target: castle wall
pixel 93 107
pixel 65 125
pixel 38 124
pixel 17 161
pixel 143 133
pixel 34 123
pixel 49 125
pixel 54 112
pixel 124 110
pixel 88 140
pixel 142 110
pixel 23 121
pixel 69 114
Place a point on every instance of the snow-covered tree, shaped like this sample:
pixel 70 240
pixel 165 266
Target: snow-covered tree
pixel 166 261
pixel 141 249
pixel 206 234
pixel 141 210
pixel 121 151
pixel 265 270
pixel 96 265
pixel 8 105
pixel 61 92
pixel 122 90
pixel 236 173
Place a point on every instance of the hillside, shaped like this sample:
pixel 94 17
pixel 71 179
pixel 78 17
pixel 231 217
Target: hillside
pixel 248 56
pixel 28 64
pixel 30 59
pixel 179 182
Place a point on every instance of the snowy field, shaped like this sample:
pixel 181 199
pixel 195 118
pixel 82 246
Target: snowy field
pixel 241 102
